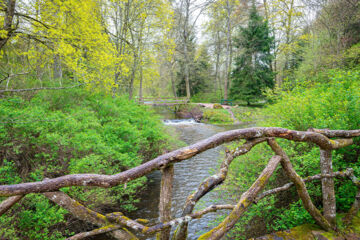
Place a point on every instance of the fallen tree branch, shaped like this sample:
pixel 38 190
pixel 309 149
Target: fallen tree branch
pixel 211 182
pixel 246 200
pixel 166 159
pixel 8 203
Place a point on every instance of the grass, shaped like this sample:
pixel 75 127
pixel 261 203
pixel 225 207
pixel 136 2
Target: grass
pixel 217 116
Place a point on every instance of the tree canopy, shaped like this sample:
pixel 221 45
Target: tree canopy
pixel 253 71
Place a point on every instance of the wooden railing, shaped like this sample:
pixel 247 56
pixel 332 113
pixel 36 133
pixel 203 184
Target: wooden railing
pixel 118 225
pixel 162 100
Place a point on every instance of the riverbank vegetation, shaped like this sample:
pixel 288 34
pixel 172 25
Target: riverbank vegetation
pixel 320 89
pixel 51 134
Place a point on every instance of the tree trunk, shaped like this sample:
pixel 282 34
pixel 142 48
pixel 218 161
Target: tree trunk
pixel 57 71
pixel 141 84
pixel 186 54
pixel 228 51
pixel 8 23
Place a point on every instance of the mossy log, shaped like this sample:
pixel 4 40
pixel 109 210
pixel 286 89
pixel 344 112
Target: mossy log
pixel 245 201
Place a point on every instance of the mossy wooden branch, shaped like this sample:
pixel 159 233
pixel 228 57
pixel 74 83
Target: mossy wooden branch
pixel 356 205
pixel 107 181
pixel 328 187
pixel 336 133
pixel 246 200
pixel 353 210
pixel 300 186
pixel 287 186
pixel 8 203
pixel 165 200
pixel 102 230
pixel 83 213
pixel 211 182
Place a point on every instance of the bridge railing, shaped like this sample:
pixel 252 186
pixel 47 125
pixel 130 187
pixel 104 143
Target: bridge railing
pixel 161 100
pixel 121 227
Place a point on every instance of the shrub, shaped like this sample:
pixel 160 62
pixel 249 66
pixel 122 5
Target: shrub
pixel 66 132
pixel 331 103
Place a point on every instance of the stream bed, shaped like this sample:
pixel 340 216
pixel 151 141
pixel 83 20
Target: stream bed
pixel 188 175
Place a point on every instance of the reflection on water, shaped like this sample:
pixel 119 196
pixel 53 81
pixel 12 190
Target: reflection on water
pixel 188 175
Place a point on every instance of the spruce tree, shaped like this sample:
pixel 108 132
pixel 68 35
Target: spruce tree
pixel 253 72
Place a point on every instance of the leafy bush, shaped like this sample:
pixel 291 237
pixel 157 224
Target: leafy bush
pixel 66 132
pixel 217 116
pixel 333 102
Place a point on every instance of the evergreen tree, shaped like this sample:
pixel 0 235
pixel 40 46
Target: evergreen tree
pixel 253 73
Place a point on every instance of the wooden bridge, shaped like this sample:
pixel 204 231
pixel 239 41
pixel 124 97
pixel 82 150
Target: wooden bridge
pixel 122 227
pixel 162 101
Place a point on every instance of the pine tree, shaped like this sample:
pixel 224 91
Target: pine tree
pixel 253 73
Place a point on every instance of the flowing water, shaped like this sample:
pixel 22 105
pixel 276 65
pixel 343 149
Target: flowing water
pixel 188 175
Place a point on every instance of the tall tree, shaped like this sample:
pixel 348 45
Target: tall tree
pixel 253 72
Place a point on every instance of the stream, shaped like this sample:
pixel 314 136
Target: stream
pixel 188 175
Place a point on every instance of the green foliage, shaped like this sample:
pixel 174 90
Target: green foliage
pixel 253 73
pixel 207 97
pixel 73 131
pixel 217 116
pixel 199 73
pixel 332 102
